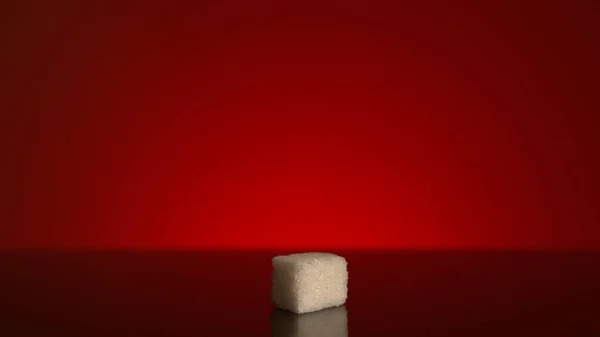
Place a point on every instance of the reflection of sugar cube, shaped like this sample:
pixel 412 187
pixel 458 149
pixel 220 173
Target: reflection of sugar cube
pixel 309 282
pixel 332 322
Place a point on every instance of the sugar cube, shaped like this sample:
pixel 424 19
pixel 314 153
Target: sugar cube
pixel 309 282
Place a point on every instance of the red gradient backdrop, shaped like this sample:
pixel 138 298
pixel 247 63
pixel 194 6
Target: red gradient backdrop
pixel 277 124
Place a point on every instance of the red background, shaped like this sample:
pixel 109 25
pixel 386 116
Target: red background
pixel 338 124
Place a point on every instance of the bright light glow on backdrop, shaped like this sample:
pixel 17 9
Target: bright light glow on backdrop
pixel 353 124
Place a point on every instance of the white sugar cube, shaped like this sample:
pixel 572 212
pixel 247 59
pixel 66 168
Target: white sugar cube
pixel 332 322
pixel 309 282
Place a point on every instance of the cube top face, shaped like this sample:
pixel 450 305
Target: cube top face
pixel 309 282
pixel 308 258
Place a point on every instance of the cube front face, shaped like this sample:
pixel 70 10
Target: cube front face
pixel 309 282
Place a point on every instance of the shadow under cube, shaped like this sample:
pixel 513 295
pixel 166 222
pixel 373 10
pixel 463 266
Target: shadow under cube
pixel 332 322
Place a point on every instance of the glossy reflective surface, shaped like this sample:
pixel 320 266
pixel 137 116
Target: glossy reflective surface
pixel 227 294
